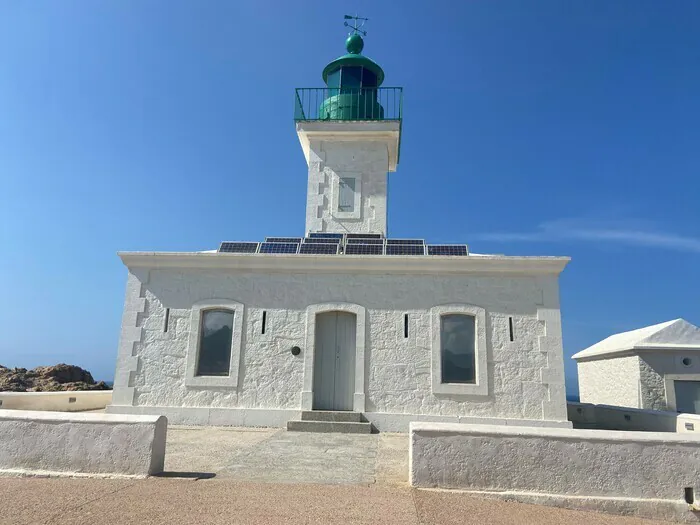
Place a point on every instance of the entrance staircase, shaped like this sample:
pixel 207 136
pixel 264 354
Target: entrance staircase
pixel 329 421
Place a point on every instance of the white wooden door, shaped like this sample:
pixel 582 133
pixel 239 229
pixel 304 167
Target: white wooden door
pixel 334 361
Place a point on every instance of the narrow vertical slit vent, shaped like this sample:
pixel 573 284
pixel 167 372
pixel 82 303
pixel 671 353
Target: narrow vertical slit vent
pixel 167 320
pixel 264 321
pixel 405 325
pixel 510 327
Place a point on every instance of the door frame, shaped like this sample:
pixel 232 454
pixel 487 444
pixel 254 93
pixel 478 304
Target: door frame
pixel 307 395
pixel 669 380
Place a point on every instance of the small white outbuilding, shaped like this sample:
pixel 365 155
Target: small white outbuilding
pixel 656 367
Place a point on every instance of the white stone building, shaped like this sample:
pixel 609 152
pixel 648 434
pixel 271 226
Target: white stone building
pixel 656 367
pixel 343 324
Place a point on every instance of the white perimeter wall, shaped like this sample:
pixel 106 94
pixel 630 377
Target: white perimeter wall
pixel 606 417
pixel 613 381
pixel 54 442
pixel 589 467
pixel 526 375
pixel 66 401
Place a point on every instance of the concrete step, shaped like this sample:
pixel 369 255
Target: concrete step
pixel 329 415
pixel 345 427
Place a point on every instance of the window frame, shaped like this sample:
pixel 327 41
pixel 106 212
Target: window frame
pixel 198 309
pixel 357 212
pixel 480 386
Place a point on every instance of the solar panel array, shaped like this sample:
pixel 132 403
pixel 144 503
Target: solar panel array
pixel 323 243
pixel 239 247
pixel 283 239
pixel 279 247
pixel 318 248
pixel 405 249
pixel 364 249
pixel 447 249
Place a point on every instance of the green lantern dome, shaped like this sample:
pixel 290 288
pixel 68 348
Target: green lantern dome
pixel 354 45
pixel 352 82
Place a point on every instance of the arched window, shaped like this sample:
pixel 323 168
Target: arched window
pixel 459 354
pixel 458 348
pixel 215 336
pixel 214 347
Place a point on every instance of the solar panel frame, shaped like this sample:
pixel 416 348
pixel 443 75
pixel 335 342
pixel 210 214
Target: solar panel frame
pixel 355 240
pixel 319 249
pixel 448 249
pixel 405 241
pixel 327 235
pixel 278 247
pixel 283 239
pixel 363 235
pixel 364 249
pixel 238 247
pixel 405 249
pixel 322 240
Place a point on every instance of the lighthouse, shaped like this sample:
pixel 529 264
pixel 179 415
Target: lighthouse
pixel 350 131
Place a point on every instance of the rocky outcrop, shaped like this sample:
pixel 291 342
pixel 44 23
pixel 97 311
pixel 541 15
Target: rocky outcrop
pixel 48 379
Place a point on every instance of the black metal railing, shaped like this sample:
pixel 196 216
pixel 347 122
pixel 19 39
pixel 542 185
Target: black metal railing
pixel 383 103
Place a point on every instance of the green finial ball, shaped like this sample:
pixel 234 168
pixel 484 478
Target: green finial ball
pixel 354 44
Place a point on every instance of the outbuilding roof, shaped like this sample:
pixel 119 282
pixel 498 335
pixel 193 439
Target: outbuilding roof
pixel 677 334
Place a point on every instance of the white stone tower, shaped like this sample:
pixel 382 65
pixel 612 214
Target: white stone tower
pixel 350 133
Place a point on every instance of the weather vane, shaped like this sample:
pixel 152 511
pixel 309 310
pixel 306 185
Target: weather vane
pixel 356 25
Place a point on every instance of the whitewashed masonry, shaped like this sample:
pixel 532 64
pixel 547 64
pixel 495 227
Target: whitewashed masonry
pixel 521 381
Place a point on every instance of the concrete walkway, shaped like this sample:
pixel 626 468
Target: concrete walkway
pixel 250 476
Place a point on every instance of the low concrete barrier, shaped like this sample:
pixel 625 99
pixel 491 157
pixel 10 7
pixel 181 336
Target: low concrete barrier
pixel 65 401
pixel 607 417
pixel 643 473
pixel 60 443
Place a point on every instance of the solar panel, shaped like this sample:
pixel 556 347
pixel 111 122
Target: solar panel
pixel 405 241
pixel 364 249
pixel 405 249
pixel 322 240
pixel 354 240
pixel 363 236
pixel 283 239
pixel 326 235
pixel 316 248
pixel 238 247
pixel 279 247
pixel 447 249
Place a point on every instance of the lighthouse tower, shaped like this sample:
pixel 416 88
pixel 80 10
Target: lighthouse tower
pixel 350 132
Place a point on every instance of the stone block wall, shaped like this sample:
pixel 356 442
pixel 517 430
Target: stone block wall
pixel 525 376
pixel 329 160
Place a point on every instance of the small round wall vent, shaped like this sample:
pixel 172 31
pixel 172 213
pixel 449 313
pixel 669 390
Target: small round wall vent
pixel 687 361
pixel 296 350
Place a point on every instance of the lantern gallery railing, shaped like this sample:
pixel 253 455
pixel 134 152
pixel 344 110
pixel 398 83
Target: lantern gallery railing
pixel 382 103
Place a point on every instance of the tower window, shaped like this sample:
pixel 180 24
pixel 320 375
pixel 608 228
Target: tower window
pixel 346 194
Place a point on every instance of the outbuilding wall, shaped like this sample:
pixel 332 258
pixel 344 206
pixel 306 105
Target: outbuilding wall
pixel 659 370
pixel 525 376
pixel 612 381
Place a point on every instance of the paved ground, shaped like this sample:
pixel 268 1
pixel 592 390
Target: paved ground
pixel 278 456
pixel 247 476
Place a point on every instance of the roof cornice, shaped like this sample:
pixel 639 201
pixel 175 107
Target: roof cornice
pixel 636 350
pixel 282 263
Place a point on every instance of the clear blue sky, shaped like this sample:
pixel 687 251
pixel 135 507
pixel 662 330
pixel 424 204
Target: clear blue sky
pixel 544 127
